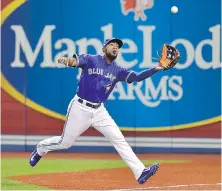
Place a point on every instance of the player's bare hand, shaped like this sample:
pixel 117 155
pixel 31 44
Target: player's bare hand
pixel 63 60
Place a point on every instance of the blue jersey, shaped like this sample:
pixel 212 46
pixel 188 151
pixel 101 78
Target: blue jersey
pixel 98 77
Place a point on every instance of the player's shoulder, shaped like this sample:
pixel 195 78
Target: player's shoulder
pixel 93 56
pixel 88 57
pixel 120 67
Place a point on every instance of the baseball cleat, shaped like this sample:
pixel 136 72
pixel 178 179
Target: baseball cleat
pixel 34 158
pixel 147 173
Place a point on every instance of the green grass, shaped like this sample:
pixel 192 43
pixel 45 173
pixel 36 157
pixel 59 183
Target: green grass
pixel 20 166
pixel 16 185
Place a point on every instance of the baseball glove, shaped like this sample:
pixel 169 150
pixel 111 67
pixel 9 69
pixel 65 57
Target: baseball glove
pixel 169 57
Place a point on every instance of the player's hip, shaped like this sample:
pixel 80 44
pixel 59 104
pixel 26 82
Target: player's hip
pixel 85 105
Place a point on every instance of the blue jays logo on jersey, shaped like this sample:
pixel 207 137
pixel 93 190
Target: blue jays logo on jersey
pixel 107 87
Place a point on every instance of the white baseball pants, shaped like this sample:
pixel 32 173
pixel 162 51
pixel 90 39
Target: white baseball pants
pixel 79 118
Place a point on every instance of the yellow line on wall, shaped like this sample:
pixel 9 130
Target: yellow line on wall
pixel 10 8
pixel 7 87
pixel 22 99
pixel 177 127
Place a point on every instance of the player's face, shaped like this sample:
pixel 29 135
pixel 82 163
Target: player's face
pixel 111 50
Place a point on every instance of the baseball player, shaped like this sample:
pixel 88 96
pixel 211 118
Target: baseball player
pixel 98 78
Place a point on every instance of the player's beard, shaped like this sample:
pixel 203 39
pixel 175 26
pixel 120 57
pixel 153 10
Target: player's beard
pixel 110 56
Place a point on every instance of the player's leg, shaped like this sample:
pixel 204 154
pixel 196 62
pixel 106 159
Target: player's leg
pixel 78 120
pixel 106 125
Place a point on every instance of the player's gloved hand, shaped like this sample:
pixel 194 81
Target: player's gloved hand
pixel 169 57
pixel 64 60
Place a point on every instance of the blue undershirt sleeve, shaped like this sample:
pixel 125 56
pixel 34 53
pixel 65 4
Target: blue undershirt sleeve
pixel 137 77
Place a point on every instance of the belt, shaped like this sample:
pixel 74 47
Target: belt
pixel 89 104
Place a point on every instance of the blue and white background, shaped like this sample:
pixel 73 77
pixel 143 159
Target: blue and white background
pixel 35 33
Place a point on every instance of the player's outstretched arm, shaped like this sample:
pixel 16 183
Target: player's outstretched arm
pixel 69 62
pixel 137 77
